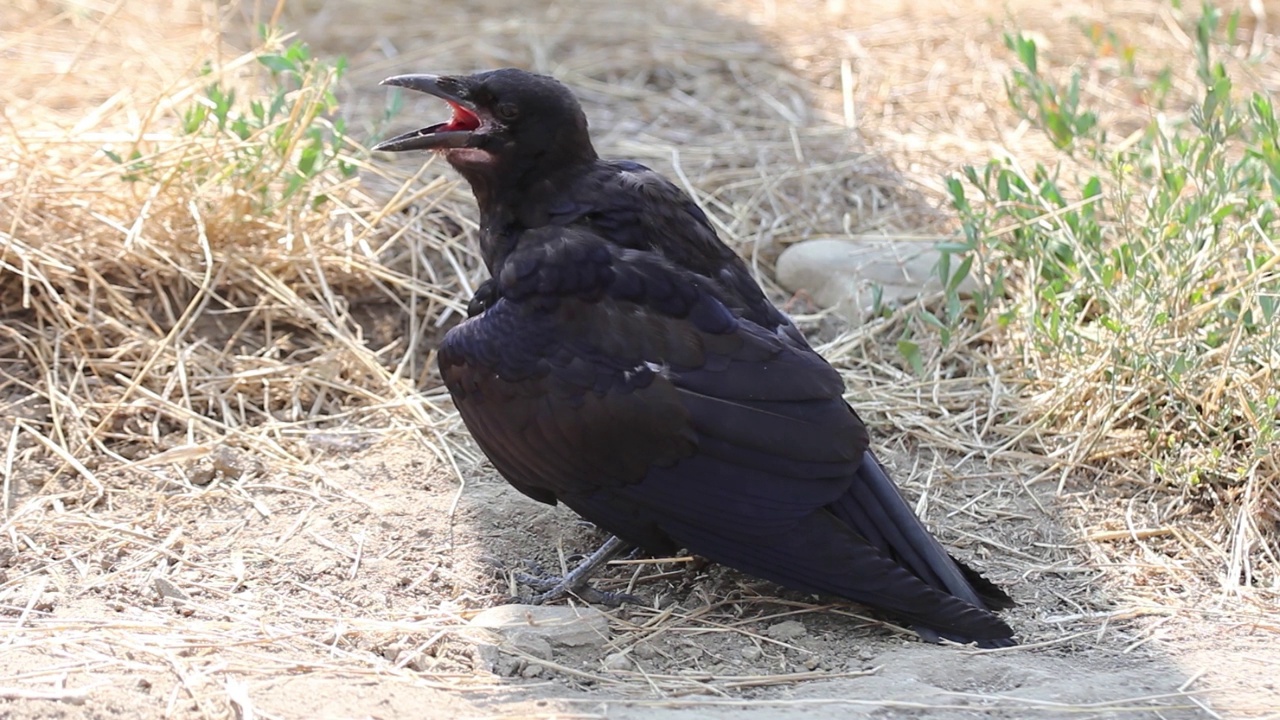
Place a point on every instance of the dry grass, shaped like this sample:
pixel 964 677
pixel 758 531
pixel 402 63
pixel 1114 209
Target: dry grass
pixel 171 341
pixel 175 309
pixel 1194 486
pixel 171 346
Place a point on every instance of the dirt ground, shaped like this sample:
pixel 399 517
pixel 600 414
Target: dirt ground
pixel 342 592
pixel 226 584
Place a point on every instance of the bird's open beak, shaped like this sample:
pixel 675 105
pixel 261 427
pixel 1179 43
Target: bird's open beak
pixel 459 132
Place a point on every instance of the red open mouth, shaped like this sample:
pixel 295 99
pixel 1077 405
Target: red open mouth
pixel 463 119
pixel 465 129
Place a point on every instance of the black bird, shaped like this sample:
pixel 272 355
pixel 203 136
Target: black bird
pixel 622 360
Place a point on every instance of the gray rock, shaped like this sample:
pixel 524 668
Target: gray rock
pixel 787 630
pixel 843 272
pixel 644 651
pixel 488 656
pixel 532 644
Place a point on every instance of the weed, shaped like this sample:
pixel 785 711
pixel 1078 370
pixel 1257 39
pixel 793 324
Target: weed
pixel 1142 277
pixel 272 150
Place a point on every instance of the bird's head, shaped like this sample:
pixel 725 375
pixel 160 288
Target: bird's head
pixel 506 123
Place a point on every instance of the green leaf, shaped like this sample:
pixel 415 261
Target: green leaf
pixel 1026 51
pixel 307 159
pixel 960 274
pixel 955 189
pixel 194 117
pixel 1268 304
pixel 278 63
pixel 911 352
pixel 277 105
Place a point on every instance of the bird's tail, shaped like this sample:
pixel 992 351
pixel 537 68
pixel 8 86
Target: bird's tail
pixel 867 546
pixel 827 553
pixel 875 509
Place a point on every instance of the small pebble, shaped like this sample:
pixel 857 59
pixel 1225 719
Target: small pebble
pixel 392 652
pixel 644 651
pixel 412 659
pixel 617 661
pixel 203 474
pixel 787 630
pixel 751 653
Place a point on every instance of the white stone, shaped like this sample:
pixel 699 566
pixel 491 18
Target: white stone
pixel 557 626
pixel 615 662
pixel 843 272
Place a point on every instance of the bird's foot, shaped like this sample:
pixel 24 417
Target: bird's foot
pixel 551 588
pixel 575 582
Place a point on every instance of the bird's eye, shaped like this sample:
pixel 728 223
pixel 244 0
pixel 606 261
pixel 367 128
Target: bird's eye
pixel 508 112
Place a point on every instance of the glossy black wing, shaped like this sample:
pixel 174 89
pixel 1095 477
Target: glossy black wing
pixel 597 363
pixel 637 208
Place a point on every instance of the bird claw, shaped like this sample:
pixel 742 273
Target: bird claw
pixel 551 588
pixel 575 581
pixel 534 567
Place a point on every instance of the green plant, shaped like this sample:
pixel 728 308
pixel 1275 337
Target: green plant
pixel 1055 109
pixel 1142 278
pixel 272 148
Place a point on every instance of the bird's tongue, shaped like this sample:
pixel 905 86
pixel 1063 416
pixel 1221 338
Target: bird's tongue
pixel 463 119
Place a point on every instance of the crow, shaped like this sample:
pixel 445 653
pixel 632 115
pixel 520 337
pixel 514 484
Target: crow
pixel 622 360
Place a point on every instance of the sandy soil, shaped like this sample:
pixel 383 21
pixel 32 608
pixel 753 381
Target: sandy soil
pixel 344 593
pixel 227 586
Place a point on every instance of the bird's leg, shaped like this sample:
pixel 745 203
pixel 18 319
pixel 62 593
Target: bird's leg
pixel 575 581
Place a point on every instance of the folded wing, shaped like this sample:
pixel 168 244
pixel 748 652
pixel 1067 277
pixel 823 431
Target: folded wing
pixel 612 380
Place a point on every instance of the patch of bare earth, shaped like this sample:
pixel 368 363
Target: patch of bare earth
pixel 227 498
